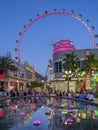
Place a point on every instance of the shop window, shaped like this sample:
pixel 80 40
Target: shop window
pixel 58 67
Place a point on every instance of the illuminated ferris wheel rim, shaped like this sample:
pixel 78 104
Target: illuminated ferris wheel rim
pixel 55 12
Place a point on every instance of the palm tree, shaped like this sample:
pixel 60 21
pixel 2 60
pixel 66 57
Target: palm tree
pixel 70 64
pixel 6 63
pixel 91 63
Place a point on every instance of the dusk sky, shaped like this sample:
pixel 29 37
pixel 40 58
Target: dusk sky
pixel 36 46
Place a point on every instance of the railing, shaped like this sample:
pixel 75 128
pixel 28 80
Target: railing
pixel 63 97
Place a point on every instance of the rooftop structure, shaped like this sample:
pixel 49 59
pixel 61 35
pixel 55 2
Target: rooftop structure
pixel 63 45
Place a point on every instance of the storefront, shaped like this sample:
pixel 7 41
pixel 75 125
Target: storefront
pixel 16 84
pixel 63 85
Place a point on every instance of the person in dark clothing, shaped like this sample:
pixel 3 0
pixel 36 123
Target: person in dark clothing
pixel 25 94
pixel 29 95
pixel 60 94
pixel 12 94
pixel 17 93
pixel 7 94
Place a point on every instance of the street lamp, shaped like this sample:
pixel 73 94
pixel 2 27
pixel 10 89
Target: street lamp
pixel 68 78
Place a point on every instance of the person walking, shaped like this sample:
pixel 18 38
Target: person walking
pixel 82 95
pixel 90 96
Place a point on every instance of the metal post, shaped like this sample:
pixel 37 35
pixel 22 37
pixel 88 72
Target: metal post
pixel 68 84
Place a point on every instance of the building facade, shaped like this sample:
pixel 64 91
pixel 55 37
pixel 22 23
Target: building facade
pixel 66 47
pixel 19 78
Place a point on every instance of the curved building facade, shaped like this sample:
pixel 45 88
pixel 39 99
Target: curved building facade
pixel 60 48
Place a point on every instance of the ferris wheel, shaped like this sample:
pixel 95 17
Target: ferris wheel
pixel 47 14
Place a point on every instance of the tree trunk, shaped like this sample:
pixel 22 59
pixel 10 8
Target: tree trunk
pixel 85 84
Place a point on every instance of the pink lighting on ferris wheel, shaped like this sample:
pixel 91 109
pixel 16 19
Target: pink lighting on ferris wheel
pixel 55 12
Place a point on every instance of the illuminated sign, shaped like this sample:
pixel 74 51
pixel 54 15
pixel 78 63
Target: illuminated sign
pixel 2 76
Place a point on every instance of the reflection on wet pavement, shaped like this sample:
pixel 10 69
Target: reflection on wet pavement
pixel 44 113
